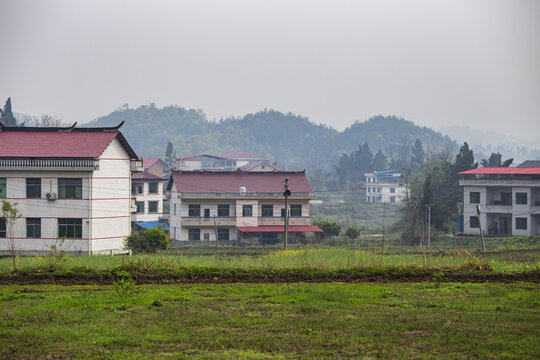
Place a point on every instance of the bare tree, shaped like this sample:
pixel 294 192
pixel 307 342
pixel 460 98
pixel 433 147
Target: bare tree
pixel 10 214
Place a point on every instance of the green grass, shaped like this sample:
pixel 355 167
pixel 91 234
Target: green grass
pixel 271 321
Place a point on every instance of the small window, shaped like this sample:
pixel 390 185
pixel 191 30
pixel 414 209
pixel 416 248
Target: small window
pixel 153 206
pixel 392 190
pixel 392 199
pixel 194 234
pixel 33 227
pixel 223 210
pixel 194 210
pixel 3 232
pixel 33 187
pixel 267 210
pixel 139 189
pixel 521 223
pixel 140 207
pixel 282 213
pixel 2 187
pixel 223 234
pixel 521 199
pixel 379 190
pixel 368 190
pixel 296 210
pixel 474 197
pixel 474 222
pixel 153 188
pixel 70 188
pixel 70 228
pixel 247 210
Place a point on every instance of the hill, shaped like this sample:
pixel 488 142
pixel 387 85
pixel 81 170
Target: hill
pixel 286 138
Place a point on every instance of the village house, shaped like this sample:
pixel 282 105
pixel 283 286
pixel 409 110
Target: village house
pixel 71 183
pixel 384 187
pixel 243 160
pixel 147 190
pixel 507 199
pixel 238 206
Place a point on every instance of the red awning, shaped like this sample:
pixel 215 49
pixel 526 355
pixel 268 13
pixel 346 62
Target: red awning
pixel 296 228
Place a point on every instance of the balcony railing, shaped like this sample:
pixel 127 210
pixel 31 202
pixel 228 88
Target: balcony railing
pixel 208 221
pixel 499 208
pixel 137 166
pixel 49 164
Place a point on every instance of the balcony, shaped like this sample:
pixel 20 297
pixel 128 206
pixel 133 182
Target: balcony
pixel 277 220
pixel 136 166
pixel 49 164
pixel 498 207
pixel 208 221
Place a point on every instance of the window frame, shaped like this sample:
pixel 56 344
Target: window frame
pixel 265 209
pixel 3 188
pixel 150 204
pixel 70 189
pixel 70 228
pixel 194 210
pixel 392 190
pixel 247 210
pixel 221 210
pixel 151 185
pixel 296 210
pixel 3 228
pixel 33 188
pixel 194 234
pixel 521 198
pixel 474 222
pixel 521 223
pixel 221 231
pixel 33 227
pixel 472 197
pixel 141 208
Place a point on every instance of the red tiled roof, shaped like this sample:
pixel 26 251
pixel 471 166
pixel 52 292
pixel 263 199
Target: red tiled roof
pixel 253 164
pixel 55 144
pixel 199 155
pixel 145 175
pixel 294 228
pixel 503 171
pixel 149 162
pixel 230 182
pixel 242 155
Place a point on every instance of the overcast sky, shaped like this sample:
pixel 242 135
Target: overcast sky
pixel 437 63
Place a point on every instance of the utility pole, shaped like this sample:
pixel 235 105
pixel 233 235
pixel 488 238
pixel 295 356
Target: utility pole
pixel 383 233
pixel 429 226
pixel 286 194
pixel 480 225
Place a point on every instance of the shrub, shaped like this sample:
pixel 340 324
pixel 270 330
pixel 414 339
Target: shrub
pixel 352 232
pixel 149 241
pixel 330 228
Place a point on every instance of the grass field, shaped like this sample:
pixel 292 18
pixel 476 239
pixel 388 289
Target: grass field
pixel 271 321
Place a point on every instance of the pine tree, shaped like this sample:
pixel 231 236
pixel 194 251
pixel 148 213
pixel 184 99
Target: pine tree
pixel 418 156
pixel 380 161
pixel 6 115
pixel 465 159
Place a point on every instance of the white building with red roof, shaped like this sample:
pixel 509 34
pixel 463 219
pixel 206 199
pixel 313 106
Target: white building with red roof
pixel 238 206
pixel 507 199
pixel 71 183
pixel 147 189
pixel 243 160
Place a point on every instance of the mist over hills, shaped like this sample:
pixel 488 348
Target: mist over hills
pixel 286 138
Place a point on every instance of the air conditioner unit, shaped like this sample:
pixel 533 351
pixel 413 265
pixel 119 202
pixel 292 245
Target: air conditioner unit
pixel 51 196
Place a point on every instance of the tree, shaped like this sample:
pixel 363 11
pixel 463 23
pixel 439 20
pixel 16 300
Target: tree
pixel 352 232
pixel 380 162
pixel 464 159
pixel 6 115
pixel 418 156
pixel 9 215
pixel 495 160
pixel 329 228
pixel 149 241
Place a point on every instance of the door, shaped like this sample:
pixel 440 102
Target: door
pixel 206 212
pixel 505 224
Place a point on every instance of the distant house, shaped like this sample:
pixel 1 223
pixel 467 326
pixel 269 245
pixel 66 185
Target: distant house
pixel 238 206
pixel 243 160
pixel 71 183
pixel 508 199
pixel 261 166
pixel 384 187
pixel 147 190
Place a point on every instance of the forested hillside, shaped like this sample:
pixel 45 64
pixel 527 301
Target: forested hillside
pixel 289 139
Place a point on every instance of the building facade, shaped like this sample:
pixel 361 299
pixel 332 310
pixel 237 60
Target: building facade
pixel 238 206
pixel 384 187
pixel 147 190
pixel 503 201
pixel 71 183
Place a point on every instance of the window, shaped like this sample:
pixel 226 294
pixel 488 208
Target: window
pixel 3 228
pixel 521 223
pixel 194 234
pixel 153 206
pixel 368 189
pixel 152 188
pixel 70 228
pixel 206 236
pixel 474 197
pixel 267 210
pixel 33 227
pixel 379 190
pixel 521 199
pixel 2 187
pixel 194 210
pixel 206 213
pixel 140 207
pixel 392 199
pixel 247 210
pixel 296 210
pixel 282 213
pixel 392 190
pixel 33 188
pixel 223 234
pixel 139 189
pixel 223 210
pixel 474 222
pixel 70 188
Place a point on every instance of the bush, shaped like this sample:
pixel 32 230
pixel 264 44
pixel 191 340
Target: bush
pixel 330 228
pixel 149 241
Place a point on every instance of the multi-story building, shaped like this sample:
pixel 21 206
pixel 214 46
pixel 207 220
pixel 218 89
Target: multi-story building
pixel 230 161
pixel 384 187
pixel 238 206
pixel 507 198
pixel 147 190
pixel 71 183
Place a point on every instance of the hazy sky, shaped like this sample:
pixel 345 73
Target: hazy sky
pixel 437 63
